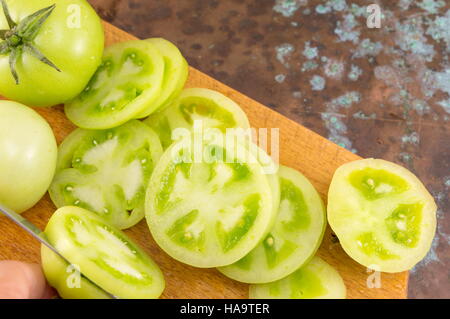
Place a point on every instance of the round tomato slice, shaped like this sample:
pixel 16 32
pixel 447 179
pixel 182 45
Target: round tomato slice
pixel 294 239
pixel 128 81
pixel 384 217
pixel 206 211
pixel 103 254
pixel 59 273
pixel 212 108
pixel 107 171
pixel 314 280
pixel 175 74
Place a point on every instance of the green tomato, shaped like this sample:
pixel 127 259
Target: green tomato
pixel 127 83
pixel 107 171
pixel 66 279
pixel 212 108
pixel 293 240
pixel 383 215
pixel 314 280
pixel 176 70
pixel 28 154
pixel 55 62
pixel 205 211
pixel 102 253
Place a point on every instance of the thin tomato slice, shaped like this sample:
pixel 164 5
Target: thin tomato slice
pixel 176 70
pixel 206 211
pixel 102 253
pixel 211 108
pixel 128 82
pixel 384 217
pixel 107 171
pixel 314 280
pixel 294 239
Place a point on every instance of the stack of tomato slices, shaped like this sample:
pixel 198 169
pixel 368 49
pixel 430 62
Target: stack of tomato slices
pixel 184 159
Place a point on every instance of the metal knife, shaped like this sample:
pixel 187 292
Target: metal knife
pixel 40 236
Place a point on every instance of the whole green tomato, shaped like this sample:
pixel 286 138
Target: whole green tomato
pixel 49 49
pixel 28 155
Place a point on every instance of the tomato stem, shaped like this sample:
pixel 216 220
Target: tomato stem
pixel 4 48
pixel 29 27
pixel 38 55
pixel 10 21
pixel 21 36
pixel 12 64
pixel 3 34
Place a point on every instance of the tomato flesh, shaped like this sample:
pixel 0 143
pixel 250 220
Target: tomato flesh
pixel 382 214
pixel 294 239
pixel 208 213
pixel 315 280
pixel 212 108
pixel 103 254
pixel 107 171
pixel 128 81
pixel 176 71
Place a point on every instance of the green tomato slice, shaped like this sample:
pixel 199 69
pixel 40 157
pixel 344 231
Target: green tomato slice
pixel 66 279
pixel 175 75
pixel 128 81
pixel 294 239
pixel 314 280
pixel 102 253
pixel 107 171
pixel 382 214
pixel 212 108
pixel 206 211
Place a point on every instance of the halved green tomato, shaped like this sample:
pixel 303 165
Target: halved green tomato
pixel 212 108
pixel 208 205
pixel 102 253
pixel 107 171
pixel 66 279
pixel 384 217
pixel 294 239
pixel 175 75
pixel 127 83
pixel 314 280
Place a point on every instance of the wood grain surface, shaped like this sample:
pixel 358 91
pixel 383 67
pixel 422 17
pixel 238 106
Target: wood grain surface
pixel 316 157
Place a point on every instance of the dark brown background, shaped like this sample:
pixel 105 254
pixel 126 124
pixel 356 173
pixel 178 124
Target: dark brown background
pixel 395 109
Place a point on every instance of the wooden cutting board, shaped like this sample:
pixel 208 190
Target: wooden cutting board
pixel 316 157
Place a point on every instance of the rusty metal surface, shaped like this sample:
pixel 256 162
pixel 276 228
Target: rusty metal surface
pixel 379 92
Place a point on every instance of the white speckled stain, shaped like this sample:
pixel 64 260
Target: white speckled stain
pixel 345 30
pixel 317 83
pixel 439 29
pixel 334 69
pixel 310 52
pixel 280 78
pixel 431 6
pixel 441 233
pixel 354 73
pixel 410 37
pixel 412 138
pixel 284 52
pixel 360 115
pixel 334 121
pixel 367 48
pixel 288 7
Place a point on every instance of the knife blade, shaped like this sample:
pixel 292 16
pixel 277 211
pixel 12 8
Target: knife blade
pixel 38 234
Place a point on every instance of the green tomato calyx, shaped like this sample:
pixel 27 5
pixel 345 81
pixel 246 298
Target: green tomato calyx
pixel 19 37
